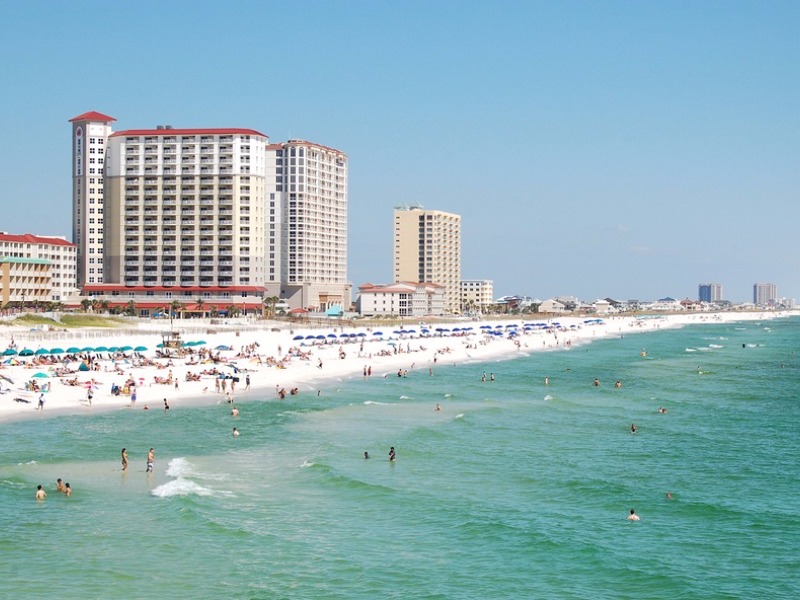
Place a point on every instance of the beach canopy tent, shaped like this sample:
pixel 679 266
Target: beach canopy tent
pixel 334 311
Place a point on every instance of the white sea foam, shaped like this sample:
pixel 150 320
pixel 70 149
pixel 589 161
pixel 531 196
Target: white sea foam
pixel 548 397
pixel 448 395
pixel 368 402
pixel 459 416
pixel 180 487
pixel 715 346
pixel 406 398
pixel 691 350
pixel 306 464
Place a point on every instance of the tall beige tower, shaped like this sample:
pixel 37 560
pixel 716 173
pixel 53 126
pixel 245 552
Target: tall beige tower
pixel 427 249
pixel 90 133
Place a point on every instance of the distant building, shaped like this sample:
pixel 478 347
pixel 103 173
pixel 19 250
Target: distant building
pixel 427 248
pixel 552 306
pixel 36 268
pixel 709 292
pixel 476 295
pixel 401 299
pixel 764 294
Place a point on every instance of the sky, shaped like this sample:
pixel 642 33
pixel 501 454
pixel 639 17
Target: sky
pixel 629 150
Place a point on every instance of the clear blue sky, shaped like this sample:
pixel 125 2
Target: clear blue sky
pixel 623 149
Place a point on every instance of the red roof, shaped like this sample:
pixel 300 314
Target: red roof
pixel 118 287
pixel 224 131
pixel 93 115
pixel 29 238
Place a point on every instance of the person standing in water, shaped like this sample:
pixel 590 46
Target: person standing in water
pixel 151 459
pixel 124 459
pixel 392 455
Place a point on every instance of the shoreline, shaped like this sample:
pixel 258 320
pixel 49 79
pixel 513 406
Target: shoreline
pixel 276 359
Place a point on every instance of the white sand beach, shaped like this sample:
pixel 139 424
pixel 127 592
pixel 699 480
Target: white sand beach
pixel 306 360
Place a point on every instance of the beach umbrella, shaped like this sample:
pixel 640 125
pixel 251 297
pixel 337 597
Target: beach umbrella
pixel 159 345
pixel 114 349
pixel 361 334
pixel 26 352
pixel 377 333
pixel 41 375
pixel 42 351
pixel 345 335
pixel 222 347
pixel 311 337
pixel 331 335
pixel 140 349
pixel 126 348
pixel 396 332
pixel 320 337
pixel 200 343
pixel 298 337
pixel 73 350
pixel 87 349
pixel 56 351
pixel 9 352
pixel 392 343
pixel 101 349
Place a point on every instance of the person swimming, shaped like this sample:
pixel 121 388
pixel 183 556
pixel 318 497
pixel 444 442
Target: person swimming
pixel 633 516
pixel 634 428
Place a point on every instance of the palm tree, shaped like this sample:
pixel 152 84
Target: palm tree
pixel 214 310
pixel 233 311
pixel 200 303
pixel 130 309
pixel 86 304
pixel 174 307
pixel 269 305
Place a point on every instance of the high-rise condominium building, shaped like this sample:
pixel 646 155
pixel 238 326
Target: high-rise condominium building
pixel 709 292
pixel 427 249
pixel 185 207
pixel 209 213
pixel 764 294
pixel 90 133
pixel 307 224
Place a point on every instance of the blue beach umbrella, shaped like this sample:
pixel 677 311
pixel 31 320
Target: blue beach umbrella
pixel 56 351
pixel 298 337
pixel 114 349
pixel 9 352
pixel 361 334
pixel 41 375
pixel 101 349
pixel 126 348
pixel 73 350
pixel 42 351
pixel 26 352
pixel 311 337
pixel 377 333
pixel 140 349
pixel 87 349
pixel 331 335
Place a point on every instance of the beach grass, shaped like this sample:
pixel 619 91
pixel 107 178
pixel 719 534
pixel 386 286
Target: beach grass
pixel 67 321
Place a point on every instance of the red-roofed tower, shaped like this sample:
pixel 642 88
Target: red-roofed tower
pixel 90 133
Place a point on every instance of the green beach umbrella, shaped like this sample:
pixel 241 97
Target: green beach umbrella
pixel 126 348
pixel 87 349
pixel 9 352
pixel 26 352
pixel 41 375
pixel 113 349
pixel 42 351
pixel 73 350
pixel 101 349
pixel 140 349
pixel 56 351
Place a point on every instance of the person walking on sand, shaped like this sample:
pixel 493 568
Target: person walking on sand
pixel 124 459
pixel 41 402
pixel 151 459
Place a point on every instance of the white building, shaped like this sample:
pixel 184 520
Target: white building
pixel 185 207
pixel 552 306
pixel 307 228
pixel 90 132
pixel 427 248
pixel 476 295
pixel 401 299
pixel 764 294
pixel 37 268
pixel 199 212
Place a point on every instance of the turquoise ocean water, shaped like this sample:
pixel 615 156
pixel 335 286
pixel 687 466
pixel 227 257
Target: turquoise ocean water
pixel 512 490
